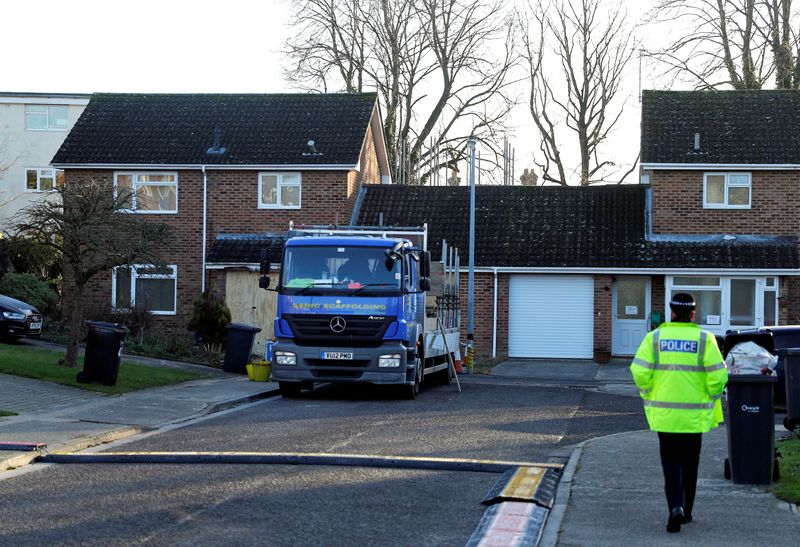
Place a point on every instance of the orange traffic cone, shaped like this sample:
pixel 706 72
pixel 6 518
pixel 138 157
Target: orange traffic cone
pixel 457 362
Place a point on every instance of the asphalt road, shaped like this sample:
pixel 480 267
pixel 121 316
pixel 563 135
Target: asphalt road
pixel 115 504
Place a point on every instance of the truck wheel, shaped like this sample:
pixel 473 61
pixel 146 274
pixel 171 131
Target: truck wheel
pixel 413 390
pixel 776 471
pixel 290 390
pixel 727 470
pixel 790 423
pixel 444 375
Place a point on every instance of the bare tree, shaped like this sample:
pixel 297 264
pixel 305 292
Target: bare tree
pixel 430 61
pixel 85 224
pixel 580 93
pixel 736 43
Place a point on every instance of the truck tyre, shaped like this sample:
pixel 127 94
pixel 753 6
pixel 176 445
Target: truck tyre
pixel 290 390
pixel 444 375
pixel 411 391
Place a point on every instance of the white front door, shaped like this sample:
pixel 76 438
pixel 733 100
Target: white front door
pixel 630 308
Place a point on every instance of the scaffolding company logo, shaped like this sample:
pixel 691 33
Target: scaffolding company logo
pixel 751 409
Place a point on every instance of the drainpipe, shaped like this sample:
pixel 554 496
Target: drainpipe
pixel 205 215
pixel 494 318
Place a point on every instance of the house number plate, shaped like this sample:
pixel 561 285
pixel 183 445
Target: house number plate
pixel 337 354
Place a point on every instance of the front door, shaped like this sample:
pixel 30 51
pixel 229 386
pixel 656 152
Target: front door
pixel 630 308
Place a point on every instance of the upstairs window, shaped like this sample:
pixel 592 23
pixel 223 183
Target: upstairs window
pixel 726 191
pixel 42 117
pixel 148 192
pixel 43 180
pixel 279 190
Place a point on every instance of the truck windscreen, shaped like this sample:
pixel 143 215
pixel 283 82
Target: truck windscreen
pixel 310 269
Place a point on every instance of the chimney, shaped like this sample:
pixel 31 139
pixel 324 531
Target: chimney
pixel 697 142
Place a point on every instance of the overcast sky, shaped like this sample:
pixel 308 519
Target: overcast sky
pixel 179 46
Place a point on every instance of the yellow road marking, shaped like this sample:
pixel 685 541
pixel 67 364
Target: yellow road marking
pixel 524 483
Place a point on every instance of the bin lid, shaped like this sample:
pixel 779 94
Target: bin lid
pixel 242 326
pixel 106 325
pixel 752 379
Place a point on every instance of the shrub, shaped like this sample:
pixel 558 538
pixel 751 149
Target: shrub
pixel 209 318
pixel 28 288
pixel 138 320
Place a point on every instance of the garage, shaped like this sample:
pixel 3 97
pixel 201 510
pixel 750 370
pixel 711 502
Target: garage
pixel 551 316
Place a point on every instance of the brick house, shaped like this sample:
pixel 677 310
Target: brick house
pixel 228 172
pixel 565 272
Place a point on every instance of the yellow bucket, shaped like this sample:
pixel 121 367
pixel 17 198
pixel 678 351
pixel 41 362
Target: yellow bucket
pixel 259 372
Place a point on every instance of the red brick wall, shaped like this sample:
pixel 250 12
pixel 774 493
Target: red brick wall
pixel 678 205
pixel 602 312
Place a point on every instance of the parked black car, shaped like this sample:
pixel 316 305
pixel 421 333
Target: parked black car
pixel 18 319
pixel 784 336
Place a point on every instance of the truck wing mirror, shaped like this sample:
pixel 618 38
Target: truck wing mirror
pixel 424 284
pixel 264 265
pixel 425 264
pixel 263 282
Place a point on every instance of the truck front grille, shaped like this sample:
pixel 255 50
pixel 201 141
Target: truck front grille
pixel 357 330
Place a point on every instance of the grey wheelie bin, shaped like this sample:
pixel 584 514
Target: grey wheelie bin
pixel 791 370
pixel 238 347
pixel 103 352
pixel 751 430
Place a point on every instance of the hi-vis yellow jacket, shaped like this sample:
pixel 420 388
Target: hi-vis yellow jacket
pixel 680 374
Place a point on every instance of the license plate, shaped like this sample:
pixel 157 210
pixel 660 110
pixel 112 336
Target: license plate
pixel 36 326
pixel 337 354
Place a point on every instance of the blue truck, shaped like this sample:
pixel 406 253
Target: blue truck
pixel 356 305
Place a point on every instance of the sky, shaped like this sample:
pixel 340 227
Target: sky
pixel 185 46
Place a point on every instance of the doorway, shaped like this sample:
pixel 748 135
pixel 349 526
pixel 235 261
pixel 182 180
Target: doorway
pixel 630 308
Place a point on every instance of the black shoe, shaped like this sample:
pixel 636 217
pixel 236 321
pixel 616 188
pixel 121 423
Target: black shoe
pixel 687 518
pixel 676 517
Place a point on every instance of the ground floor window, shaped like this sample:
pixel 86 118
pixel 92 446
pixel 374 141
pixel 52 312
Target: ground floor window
pixel 145 286
pixel 725 302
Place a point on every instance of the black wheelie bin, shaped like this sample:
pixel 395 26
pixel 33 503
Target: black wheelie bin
pixel 103 352
pixel 238 347
pixel 750 418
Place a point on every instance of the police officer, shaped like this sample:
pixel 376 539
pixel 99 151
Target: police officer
pixel 680 374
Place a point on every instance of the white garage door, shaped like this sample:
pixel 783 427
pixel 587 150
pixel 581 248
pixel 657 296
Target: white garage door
pixel 551 316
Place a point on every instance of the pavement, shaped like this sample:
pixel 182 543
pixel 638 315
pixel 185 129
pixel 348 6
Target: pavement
pixel 611 491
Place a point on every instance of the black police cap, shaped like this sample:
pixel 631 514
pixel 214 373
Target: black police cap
pixel 682 301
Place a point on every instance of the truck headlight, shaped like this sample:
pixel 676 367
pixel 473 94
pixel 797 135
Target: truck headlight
pixel 285 358
pixel 389 361
pixel 14 315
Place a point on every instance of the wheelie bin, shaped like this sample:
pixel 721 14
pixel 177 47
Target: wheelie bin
pixel 751 430
pixel 238 347
pixel 103 352
pixel 791 370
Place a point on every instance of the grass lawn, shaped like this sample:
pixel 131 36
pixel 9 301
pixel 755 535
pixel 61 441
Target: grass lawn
pixel 42 364
pixel 788 487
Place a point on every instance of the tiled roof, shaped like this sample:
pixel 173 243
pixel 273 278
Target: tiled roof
pixel 152 129
pixel 246 248
pixel 549 226
pixel 739 127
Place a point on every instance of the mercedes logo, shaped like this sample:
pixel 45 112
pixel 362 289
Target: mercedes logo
pixel 338 324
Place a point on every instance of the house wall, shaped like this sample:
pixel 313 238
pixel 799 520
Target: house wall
pixel 232 208
pixel 22 149
pixel 602 312
pixel 677 206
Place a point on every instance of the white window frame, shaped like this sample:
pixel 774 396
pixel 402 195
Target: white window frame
pixel 281 185
pixel 724 287
pixel 39 170
pixel 49 126
pixel 726 186
pixel 136 275
pixel 135 183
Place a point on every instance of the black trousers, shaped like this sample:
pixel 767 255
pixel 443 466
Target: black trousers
pixel 680 457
